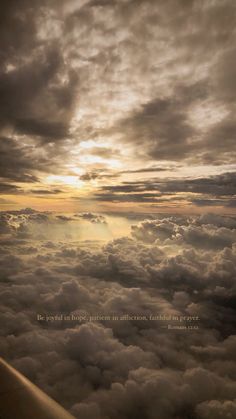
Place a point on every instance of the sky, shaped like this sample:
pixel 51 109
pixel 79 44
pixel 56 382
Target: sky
pixel 117 222
pixel 118 105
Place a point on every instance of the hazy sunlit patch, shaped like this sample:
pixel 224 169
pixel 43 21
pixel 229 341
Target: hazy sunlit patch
pixel 76 170
pixel 91 143
pixel 88 159
pixel 66 180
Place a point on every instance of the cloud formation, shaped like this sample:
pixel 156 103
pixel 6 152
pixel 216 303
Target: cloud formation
pixel 218 190
pixel 170 265
pixel 107 90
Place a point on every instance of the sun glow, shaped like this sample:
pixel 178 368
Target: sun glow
pixel 88 159
pixel 91 143
pixel 88 145
pixel 66 180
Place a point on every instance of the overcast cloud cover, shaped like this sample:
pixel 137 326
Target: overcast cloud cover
pixel 95 93
pixel 170 265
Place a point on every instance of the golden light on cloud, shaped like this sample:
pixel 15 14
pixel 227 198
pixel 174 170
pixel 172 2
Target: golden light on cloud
pixel 105 115
pixel 91 143
pixel 91 159
pixel 65 180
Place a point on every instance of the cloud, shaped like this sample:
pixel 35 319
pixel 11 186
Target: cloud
pixel 23 163
pixel 164 124
pixel 46 191
pixel 89 176
pixel 216 409
pixel 166 392
pixel 169 265
pixel 33 93
pixel 7 188
pixel 148 170
pixel 93 218
pixel 161 97
pixel 212 190
pixel 216 220
pixel 38 90
pixel 162 127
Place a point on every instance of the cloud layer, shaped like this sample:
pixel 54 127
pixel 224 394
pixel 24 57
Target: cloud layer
pixel 95 91
pixel 170 265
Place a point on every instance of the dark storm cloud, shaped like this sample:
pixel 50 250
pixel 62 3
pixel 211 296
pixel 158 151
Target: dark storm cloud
pixel 221 140
pixel 37 88
pixel 23 162
pixel 17 162
pixel 20 18
pixel 162 127
pixel 162 130
pixel 30 104
pixel 32 94
pixel 7 188
pixel 214 187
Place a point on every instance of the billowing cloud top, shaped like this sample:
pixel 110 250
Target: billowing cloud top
pixel 139 366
